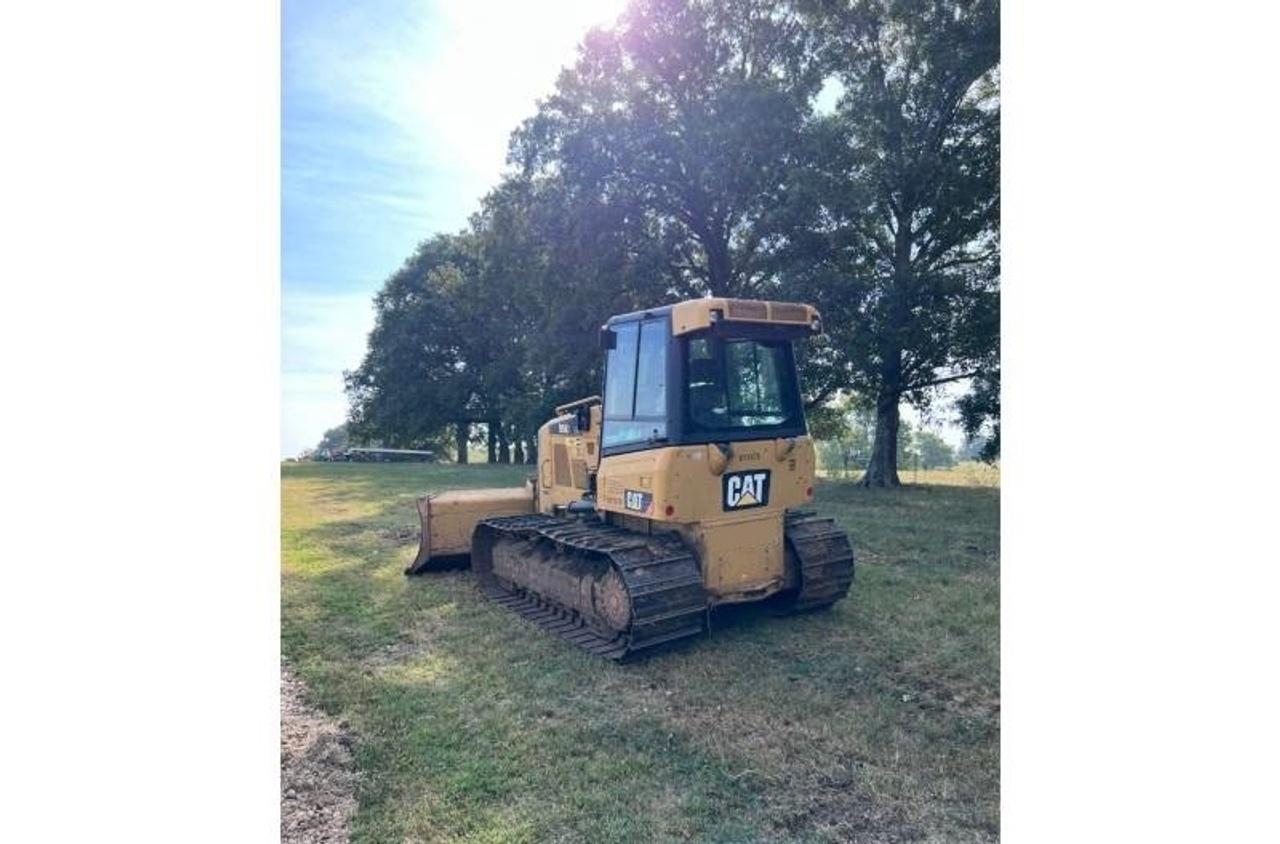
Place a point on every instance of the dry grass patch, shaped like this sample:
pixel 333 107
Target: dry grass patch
pixel 317 770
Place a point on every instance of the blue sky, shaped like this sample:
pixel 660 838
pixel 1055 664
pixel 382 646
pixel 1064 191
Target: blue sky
pixel 395 117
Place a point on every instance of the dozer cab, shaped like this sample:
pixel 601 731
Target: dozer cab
pixel 677 492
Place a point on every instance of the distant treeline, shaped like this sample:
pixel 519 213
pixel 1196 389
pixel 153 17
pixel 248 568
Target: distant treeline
pixel 844 154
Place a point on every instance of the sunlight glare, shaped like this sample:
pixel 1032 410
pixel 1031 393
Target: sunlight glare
pixel 500 57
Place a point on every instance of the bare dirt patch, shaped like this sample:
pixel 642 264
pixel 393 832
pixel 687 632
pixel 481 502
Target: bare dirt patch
pixel 317 770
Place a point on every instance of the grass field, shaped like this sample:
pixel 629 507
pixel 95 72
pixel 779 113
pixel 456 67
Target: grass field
pixel 876 721
pixel 969 473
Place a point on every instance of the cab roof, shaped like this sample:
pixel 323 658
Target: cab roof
pixel 699 314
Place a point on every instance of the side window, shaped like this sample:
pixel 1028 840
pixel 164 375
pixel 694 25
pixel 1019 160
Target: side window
pixel 635 402
pixel 651 374
pixel 620 369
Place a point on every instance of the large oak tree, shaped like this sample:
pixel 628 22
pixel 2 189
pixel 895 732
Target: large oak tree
pixel 424 370
pixel 900 201
pixel 688 111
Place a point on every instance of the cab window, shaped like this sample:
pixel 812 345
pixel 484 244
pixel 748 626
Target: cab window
pixel 635 400
pixel 737 384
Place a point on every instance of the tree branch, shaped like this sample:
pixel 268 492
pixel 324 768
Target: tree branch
pixel 823 395
pixel 967 259
pixel 935 382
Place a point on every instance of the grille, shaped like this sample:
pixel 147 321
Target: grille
pixel 748 310
pixel 579 473
pixel 789 312
pixel 561 458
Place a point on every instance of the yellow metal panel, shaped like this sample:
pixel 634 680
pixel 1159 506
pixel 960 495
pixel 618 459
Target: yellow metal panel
pixel 685 477
pixel 742 558
pixel 567 457
pixel 592 444
pixel 695 314
pixel 451 516
pixel 740 549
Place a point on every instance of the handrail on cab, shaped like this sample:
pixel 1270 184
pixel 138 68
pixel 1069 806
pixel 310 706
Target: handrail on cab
pixel 588 401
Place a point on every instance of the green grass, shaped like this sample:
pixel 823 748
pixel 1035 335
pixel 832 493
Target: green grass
pixel 875 721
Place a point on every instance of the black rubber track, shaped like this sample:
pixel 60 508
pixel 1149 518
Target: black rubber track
pixel 661 574
pixel 825 557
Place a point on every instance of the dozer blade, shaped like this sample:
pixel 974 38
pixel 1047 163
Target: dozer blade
pixel 449 519
pixel 425 561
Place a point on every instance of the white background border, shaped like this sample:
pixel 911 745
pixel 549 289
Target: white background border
pixel 139 327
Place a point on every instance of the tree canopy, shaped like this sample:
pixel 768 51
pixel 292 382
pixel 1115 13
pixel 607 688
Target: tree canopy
pixel 333 439
pixel 682 154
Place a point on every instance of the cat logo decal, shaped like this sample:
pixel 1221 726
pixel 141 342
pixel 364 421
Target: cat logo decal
pixel 641 502
pixel 747 489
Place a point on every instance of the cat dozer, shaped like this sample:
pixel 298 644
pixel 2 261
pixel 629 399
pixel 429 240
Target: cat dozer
pixel 679 491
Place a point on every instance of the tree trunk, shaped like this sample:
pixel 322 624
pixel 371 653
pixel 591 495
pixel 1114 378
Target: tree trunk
pixel 462 436
pixel 719 269
pixel 882 470
pixel 519 455
pixel 504 445
pixel 493 442
pixel 531 455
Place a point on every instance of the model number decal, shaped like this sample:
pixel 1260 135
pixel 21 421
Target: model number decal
pixel 641 502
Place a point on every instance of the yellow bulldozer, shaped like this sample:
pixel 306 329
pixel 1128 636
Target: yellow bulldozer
pixel 678 492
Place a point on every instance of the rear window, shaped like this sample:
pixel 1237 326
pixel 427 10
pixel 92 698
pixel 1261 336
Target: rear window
pixel 740 384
